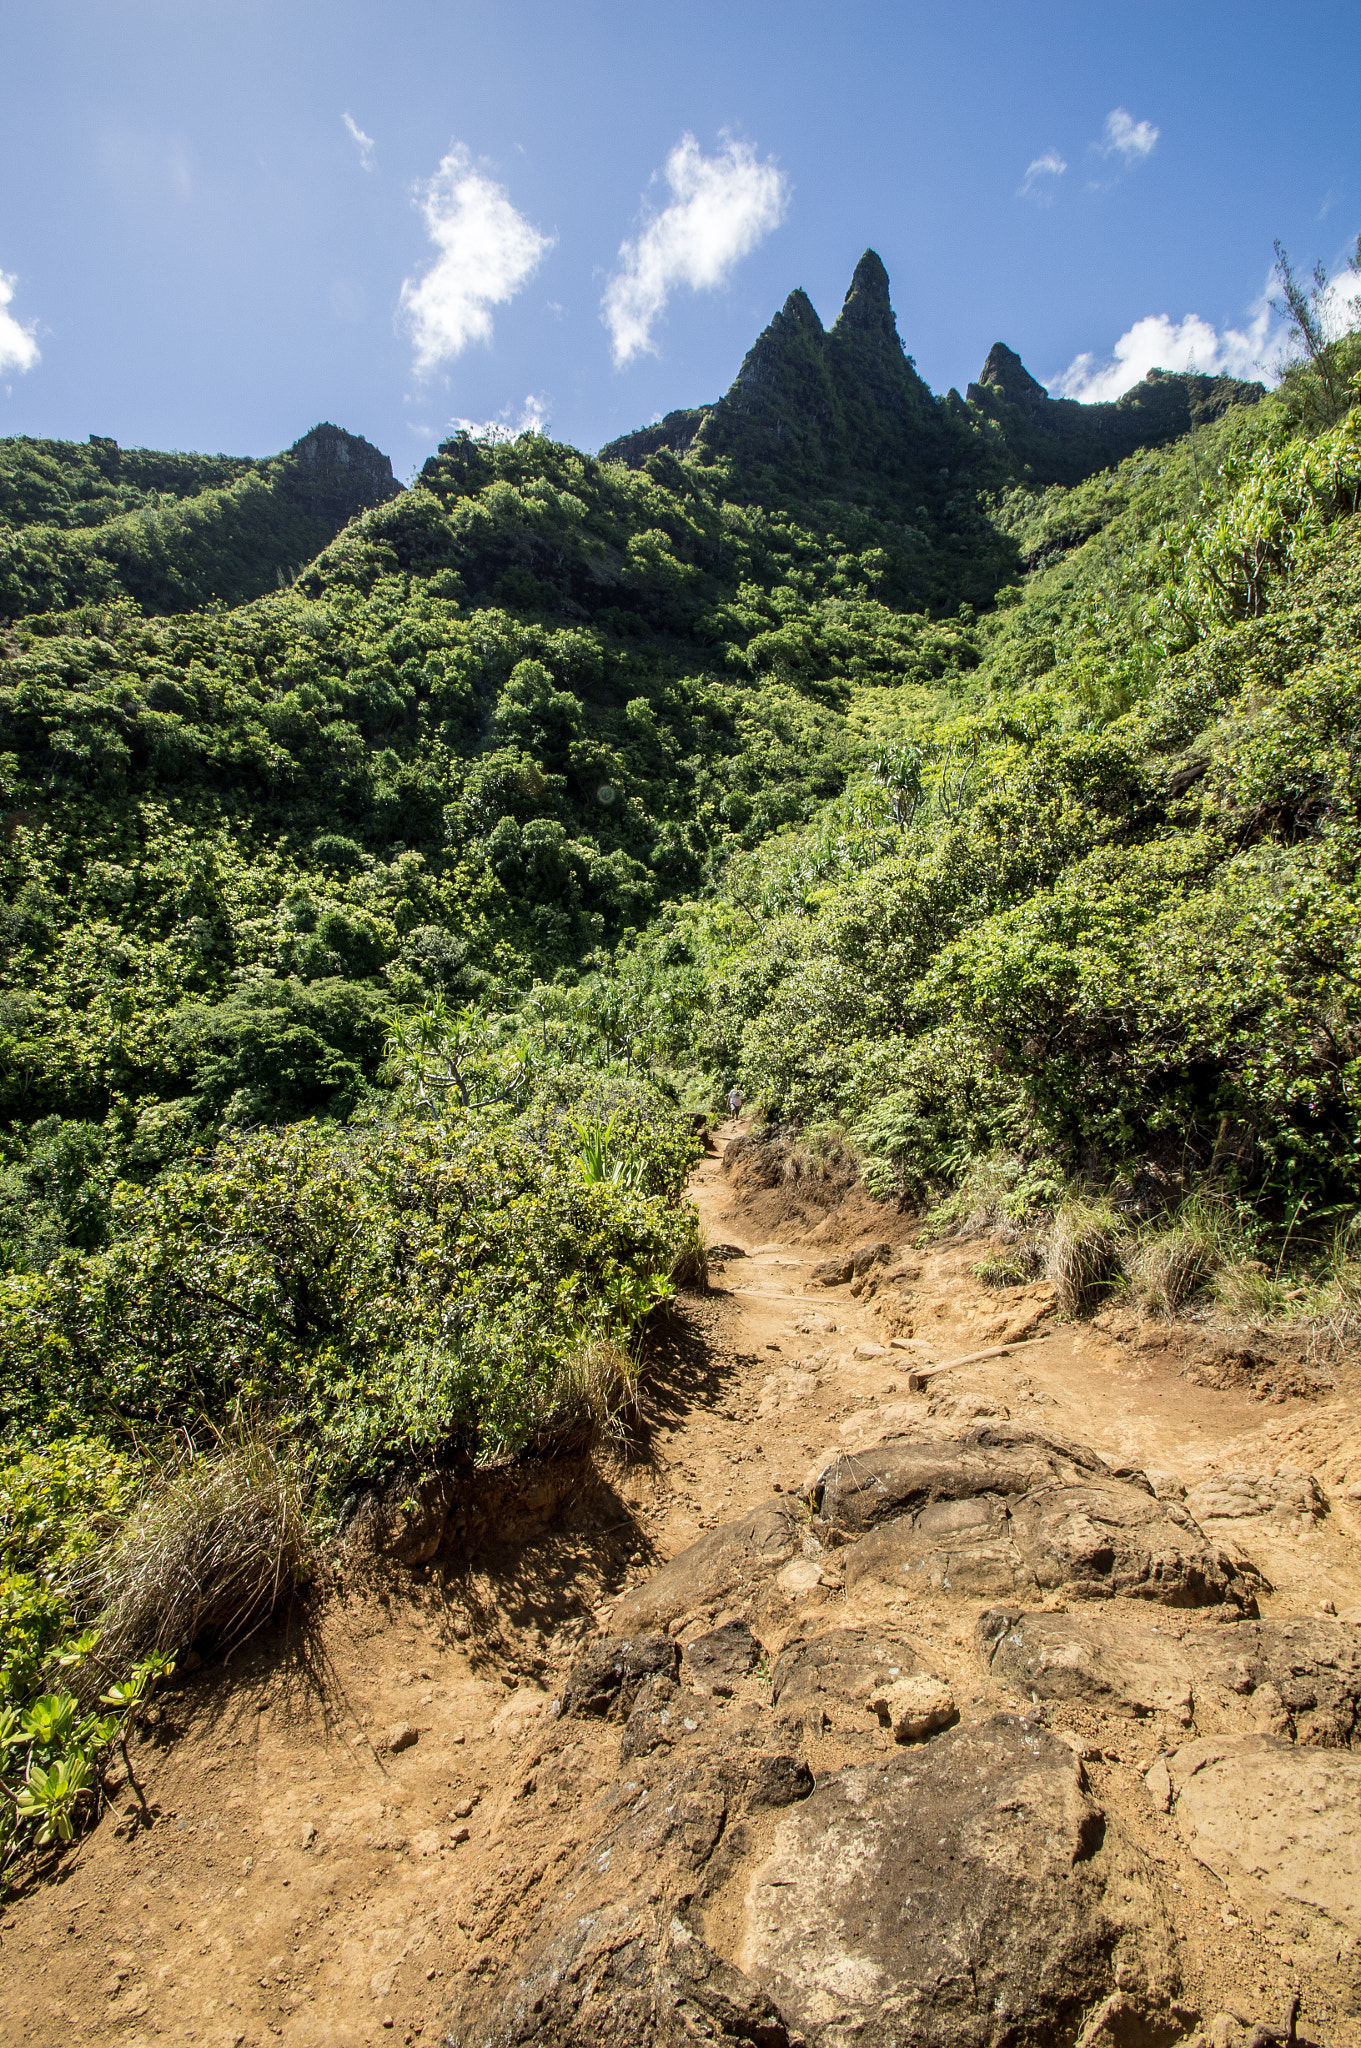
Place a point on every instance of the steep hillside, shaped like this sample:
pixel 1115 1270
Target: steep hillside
pixel 85 524
pixel 817 418
pixel 385 897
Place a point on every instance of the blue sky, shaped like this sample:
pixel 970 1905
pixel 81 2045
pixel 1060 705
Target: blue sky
pixel 199 250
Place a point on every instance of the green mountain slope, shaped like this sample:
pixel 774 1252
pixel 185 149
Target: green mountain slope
pixel 505 716
pixel 83 524
pixel 975 775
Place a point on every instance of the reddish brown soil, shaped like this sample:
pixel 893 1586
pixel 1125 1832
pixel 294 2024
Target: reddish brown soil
pixel 305 1883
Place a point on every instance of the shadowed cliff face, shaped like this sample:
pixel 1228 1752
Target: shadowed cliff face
pixel 83 524
pixel 842 411
pixel 1056 440
pixel 335 474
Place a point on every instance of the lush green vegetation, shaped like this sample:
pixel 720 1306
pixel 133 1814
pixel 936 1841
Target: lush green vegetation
pixel 942 770
pixel 1109 914
pixel 82 524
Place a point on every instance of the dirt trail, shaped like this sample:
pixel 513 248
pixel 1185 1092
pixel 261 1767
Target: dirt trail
pixel 356 1816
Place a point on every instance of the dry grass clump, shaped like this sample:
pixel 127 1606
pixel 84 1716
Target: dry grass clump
pixel 214 1544
pixel 1082 1256
pixel 690 1264
pixel 1011 1268
pixel 1250 1291
pixel 775 1157
pixel 1335 1308
pixel 594 1386
pixel 1173 1264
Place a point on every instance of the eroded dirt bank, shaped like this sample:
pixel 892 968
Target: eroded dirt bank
pixel 449 1803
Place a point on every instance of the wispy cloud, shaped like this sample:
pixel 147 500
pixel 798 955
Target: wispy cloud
pixel 363 142
pixel 18 349
pixel 1339 307
pixel 721 207
pixel 1126 138
pixel 1038 182
pixel 487 251
pixel 1159 343
pixel 533 419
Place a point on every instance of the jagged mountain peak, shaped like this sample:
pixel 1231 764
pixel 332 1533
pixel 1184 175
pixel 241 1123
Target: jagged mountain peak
pixel 798 310
pixel 1005 371
pixel 843 408
pixel 867 307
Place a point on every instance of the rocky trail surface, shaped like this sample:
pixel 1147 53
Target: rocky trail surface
pixel 863 1696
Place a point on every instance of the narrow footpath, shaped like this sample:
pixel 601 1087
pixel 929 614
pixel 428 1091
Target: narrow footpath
pixel 356 1817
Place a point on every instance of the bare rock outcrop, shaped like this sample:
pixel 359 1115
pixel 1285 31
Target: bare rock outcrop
pixel 949 1879
pixel 726 1566
pixel 1277 1824
pixel 1297 1678
pixel 832 1680
pixel 954 1894
pixel 1001 1510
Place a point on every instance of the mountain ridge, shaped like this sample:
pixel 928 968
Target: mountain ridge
pixel 84 522
pixel 828 405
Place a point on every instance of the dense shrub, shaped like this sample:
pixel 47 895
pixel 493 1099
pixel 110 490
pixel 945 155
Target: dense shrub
pixel 380 1295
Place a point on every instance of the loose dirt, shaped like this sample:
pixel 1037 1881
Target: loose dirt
pixel 356 1816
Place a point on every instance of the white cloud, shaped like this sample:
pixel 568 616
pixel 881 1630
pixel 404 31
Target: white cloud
pixel 534 417
pixel 721 207
pixel 1158 343
pixel 487 251
pixel 365 142
pixel 1036 182
pixel 1341 309
pixel 18 349
pixel 1127 138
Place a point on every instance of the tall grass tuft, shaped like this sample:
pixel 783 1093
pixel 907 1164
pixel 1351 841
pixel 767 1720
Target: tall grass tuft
pixel 1174 1263
pixel 690 1262
pixel 1082 1256
pixel 217 1540
pixel 594 1387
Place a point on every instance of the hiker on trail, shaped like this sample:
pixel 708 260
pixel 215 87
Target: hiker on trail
pixel 735 1099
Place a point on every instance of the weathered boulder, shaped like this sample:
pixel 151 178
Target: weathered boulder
pixel 1125 1665
pixel 913 1708
pixel 715 1661
pixel 1286 1495
pixel 1000 1510
pixel 832 1272
pixel 607 1675
pixel 1296 1678
pixel 1094 1541
pixel 956 1895
pixel 952 1894
pixel 724 1567
pixel 1300 1677
pixel 830 1680
pixel 855 1494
